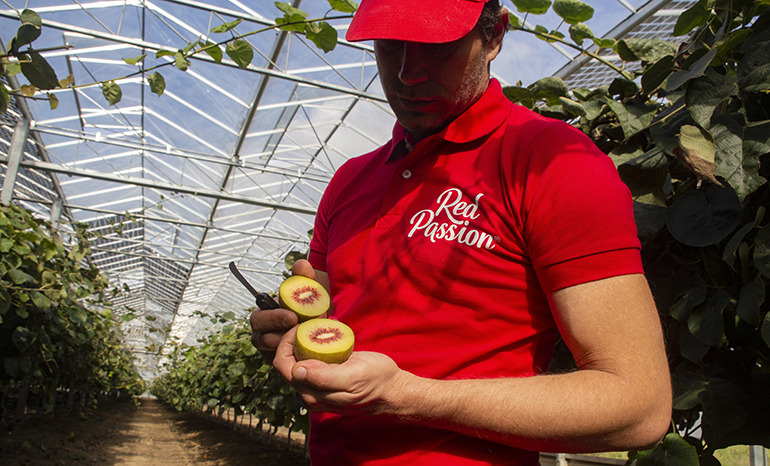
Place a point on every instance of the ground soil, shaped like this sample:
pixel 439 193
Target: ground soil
pixel 152 434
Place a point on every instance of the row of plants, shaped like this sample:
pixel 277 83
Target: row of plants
pixel 224 374
pixel 52 340
pixel 688 126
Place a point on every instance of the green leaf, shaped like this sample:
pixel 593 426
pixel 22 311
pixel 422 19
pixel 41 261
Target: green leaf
pixel 541 30
pixel 572 107
pixel 694 17
pixel 164 53
pixel 705 93
pixel 705 323
pixel 696 295
pixel 323 35
pixel 605 43
pixel 573 11
pixel 293 257
pixel 39 73
pixel 247 348
pixel 702 218
pixel 128 317
pixel 740 170
pixel 766 329
pixel 754 70
pixel 240 52
pixel 5 301
pixel 112 92
pixel 646 50
pixel 20 277
pixel 646 176
pixel 22 338
pixel 212 50
pixel 229 315
pixel 674 451
pixel 751 298
pixel 514 22
pixel 227 26
pixel 293 23
pixel 551 88
pixel 727 405
pixel 181 62
pixel 237 369
pixel 30 29
pixel 689 385
pixel 5 98
pixel 53 101
pixel 579 32
pixel 41 300
pixel 657 74
pixel 77 314
pixel 293 19
pixel 6 245
pixel 676 80
pixel 533 7
pixel 134 61
pixel 633 118
pixel 344 6
pixel 157 83
pixel 728 255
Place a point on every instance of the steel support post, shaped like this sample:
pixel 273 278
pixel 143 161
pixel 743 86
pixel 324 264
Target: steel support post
pixel 15 153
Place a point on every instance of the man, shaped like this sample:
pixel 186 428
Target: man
pixel 457 253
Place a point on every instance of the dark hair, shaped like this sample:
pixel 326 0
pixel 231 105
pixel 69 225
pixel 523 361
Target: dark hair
pixel 488 19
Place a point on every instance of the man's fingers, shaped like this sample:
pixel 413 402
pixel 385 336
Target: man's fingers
pixel 272 320
pixel 303 267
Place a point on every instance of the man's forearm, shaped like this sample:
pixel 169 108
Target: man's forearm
pixel 583 411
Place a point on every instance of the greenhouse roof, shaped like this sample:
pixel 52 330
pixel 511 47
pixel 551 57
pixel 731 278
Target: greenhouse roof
pixel 229 163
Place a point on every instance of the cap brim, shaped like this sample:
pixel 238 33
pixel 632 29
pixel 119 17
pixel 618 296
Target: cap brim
pixel 429 21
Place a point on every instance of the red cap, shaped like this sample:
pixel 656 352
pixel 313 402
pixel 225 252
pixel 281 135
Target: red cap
pixel 431 21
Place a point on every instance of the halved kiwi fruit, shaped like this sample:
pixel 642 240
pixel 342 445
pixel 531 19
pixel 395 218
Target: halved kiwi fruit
pixel 305 296
pixel 327 340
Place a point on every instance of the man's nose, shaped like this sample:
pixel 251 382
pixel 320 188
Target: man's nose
pixel 414 65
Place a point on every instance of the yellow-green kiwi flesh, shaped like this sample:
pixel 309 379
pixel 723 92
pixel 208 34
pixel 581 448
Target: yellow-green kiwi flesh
pixel 304 296
pixel 327 340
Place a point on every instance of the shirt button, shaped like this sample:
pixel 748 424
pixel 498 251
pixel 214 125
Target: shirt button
pixel 407 174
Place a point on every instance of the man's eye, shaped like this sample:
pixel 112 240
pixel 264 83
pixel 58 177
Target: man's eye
pixel 442 50
pixel 390 45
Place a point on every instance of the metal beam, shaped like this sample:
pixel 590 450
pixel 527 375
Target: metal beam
pixel 15 154
pixel 74 207
pixel 156 47
pixel 141 182
pixel 183 261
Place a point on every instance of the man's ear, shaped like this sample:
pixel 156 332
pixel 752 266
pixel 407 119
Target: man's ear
pixel 496 41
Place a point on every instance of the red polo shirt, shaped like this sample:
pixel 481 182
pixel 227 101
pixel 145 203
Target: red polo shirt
pixel 442 260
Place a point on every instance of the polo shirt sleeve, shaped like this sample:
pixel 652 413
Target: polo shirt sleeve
pixel 579 220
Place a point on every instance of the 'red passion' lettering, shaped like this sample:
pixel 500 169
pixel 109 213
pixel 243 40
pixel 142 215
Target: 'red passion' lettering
pixel 458 214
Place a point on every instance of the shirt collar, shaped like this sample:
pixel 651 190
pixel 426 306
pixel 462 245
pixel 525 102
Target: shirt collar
pixel 480 119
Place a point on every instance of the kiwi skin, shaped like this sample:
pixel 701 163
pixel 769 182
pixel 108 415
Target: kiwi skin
pixel 338 353
pixel 298 283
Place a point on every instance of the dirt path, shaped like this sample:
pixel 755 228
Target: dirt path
pixel 152 437
pixel 119 434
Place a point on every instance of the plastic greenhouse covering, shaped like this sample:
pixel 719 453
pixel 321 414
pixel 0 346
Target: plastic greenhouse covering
pixel 229 164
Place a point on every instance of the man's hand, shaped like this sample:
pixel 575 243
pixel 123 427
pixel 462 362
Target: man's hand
pixel 364 384
pixel 267 327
